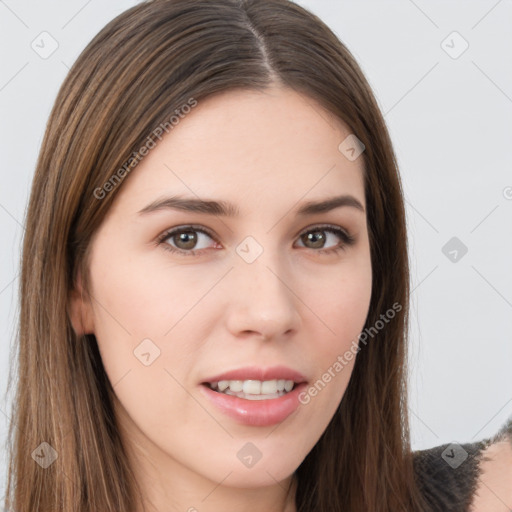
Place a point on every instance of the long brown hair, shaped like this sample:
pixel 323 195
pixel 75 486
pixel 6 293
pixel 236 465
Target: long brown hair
pixel 140 68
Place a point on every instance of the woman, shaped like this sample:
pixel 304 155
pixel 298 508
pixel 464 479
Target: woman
pixel 214 289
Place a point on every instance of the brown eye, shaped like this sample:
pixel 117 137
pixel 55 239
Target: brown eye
pixel 184 240
pixel 316 238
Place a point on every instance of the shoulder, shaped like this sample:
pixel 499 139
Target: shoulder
pixel 494 487
pixel 472 477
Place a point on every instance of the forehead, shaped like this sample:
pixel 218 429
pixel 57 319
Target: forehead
pixel 253 148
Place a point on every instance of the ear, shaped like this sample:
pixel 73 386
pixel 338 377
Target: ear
pixel 80 310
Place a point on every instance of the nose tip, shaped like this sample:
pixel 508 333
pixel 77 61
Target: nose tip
pixel 268 332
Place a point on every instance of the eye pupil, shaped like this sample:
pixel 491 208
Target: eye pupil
pixel 188 237
pixel 317 237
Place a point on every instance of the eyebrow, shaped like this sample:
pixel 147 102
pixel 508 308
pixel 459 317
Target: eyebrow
pixel 227 209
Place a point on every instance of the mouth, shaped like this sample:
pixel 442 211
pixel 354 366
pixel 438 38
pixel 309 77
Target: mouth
pixel 263 403
pixel 253 389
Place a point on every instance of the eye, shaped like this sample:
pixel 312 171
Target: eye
pixel 183 240
pixel 317 236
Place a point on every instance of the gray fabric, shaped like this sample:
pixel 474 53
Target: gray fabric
pixel 448 477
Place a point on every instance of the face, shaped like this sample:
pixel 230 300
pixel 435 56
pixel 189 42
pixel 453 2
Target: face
pixel 180 297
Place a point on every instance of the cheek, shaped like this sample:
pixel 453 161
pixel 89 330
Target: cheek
pixel 138 298
pixel 342 304
pixel 143 334
pixel 341 307
pixel 136 312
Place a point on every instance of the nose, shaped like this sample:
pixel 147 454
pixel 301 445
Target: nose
pixel 262 300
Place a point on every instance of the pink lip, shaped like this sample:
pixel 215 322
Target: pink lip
pixel 256 373
pixel 256 413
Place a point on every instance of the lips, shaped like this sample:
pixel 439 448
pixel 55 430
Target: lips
pixel 255 413
pixel 258 373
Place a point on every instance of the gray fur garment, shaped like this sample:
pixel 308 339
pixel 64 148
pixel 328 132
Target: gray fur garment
pixel 448 474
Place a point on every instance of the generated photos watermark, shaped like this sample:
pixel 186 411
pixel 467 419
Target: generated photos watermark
pixel 149 144
pixel 343 359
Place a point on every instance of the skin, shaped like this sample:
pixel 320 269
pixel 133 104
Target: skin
pixel 494 488
pixel 267 152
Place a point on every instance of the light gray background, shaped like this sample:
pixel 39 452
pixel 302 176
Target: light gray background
pixel 450 120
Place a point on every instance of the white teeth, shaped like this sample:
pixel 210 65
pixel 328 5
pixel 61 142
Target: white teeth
pixel 236 385
pixel 223 384
pixel 253 387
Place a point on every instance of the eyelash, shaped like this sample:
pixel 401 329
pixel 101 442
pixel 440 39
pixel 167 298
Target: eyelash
pixel 347 239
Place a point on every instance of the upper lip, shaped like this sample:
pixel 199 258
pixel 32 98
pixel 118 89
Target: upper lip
pixel 258 373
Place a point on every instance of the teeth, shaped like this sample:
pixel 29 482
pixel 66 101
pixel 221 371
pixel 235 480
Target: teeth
pixel 253 387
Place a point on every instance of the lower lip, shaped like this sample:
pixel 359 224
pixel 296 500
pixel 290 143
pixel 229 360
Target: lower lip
pixel 256 413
